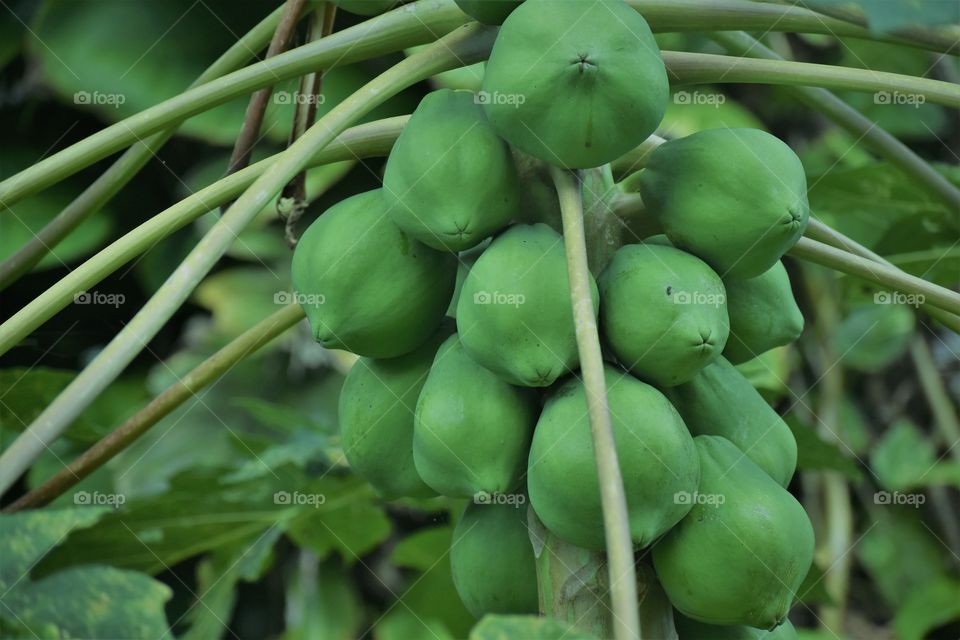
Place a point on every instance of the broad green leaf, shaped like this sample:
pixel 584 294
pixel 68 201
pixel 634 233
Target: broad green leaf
pixel 693 109
pixel 506 627
pixel 889 15
pixel 895 574
pixel 873 336
pixel 402 624
pixel 851 428
pixel 813 590
pixel 19 224
pixel 769 372
pixel 423 549
pixel 815 453
pixel 241 297
pixel 432 595
pixel 903 457
pixel 352 529
pixel 322 602
pixel 934 605
pixel 85 601
pixel 217 579
pixel 30 390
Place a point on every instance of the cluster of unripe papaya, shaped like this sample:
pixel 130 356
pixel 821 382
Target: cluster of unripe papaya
pixel 460 308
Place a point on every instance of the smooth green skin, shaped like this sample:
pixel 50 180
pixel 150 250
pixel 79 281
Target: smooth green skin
pixel 376 414
pixel 742 561
pixel 383 292
pixel 529 344
pixel 492 561
pixel 365 7
pixel 488 11
pixel 737 198
pixel 720 401
pixel 688 629
pixel 472 430
pixel 450 181
pixel 652 331
pixel 656 453
pixel 591 79
pixel 763 314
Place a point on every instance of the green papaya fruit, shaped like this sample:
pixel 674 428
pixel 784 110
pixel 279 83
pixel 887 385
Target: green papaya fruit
pixel 365 7
pixel 450 181
pixel 488 11
pixel 663 312
pixel 763 314
pixel 720 401
pixel 742 551
pixel 737 198
pixel 376 414
pixel 365 285
pixel 657 456
pixel 472 430
pixel 576 83
pixel 514 315
pixel 491 558
pixel 688 629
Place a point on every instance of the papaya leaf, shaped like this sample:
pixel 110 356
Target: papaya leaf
pixel 873 336
pixel 934 605
pixel 903 457
pixel 503 627
pixel 401 624
pixel 423 549
pixel 887 15
pixel 352 530
pixel 323 602
pixel 815 453
pixel 82 601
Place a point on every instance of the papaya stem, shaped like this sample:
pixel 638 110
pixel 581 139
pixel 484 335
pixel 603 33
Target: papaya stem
pixel 843 115
pixel 127 166
pixel 362 141
pixel 705 68
pixel 623 578
pixel 412 24
pixel 161 406
pixel 470 43
pixel 877 273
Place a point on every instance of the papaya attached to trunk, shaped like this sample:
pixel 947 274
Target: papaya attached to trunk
pixel 365 285
pixel 737 198
pixel 663 312
pixel 450 181
pixel 376 413
pixel 514 315
pixel 576 83
pixel 720 401
pixel 472 430
pixel 657 457
pixel 763 314
pixel 491 558
pixel 742 552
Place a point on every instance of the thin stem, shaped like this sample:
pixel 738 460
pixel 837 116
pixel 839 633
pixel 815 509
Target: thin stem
pixel 944 413
pixel 876 272
pixel 172 397
pixel 95 196
pixel 743 15
pixel 862 128
pixel 464 46
pixel 705 68
pixel 257 106
pixel 362 141
pixel 623 578
pixel 817 230
pixel 413 24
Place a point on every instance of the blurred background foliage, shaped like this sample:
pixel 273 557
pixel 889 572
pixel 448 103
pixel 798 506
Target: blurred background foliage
pixel 201 545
